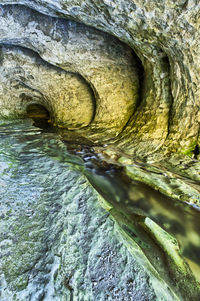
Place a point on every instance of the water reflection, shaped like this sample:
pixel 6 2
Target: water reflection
pixel 179 219
pixel 131 197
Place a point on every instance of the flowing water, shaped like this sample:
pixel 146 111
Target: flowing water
pixel 24 151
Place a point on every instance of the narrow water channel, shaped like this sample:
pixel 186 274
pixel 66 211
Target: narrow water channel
pixel 135 198
pixel 20 141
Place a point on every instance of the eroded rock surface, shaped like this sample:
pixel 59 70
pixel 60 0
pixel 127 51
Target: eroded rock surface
pixel 146 95
pixel 104 62
pixel 26 79
pixel 165 36
pixel 57 242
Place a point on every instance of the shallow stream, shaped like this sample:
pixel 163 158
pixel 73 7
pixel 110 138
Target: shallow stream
pixel 24 151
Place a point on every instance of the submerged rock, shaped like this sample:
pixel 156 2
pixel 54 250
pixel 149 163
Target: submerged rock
pixel 57 242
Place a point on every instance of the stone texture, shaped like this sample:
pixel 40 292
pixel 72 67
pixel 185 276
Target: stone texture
pixel 26 79
pixel 167 183
pixel 57 242
pixel 152 106
pixel 165 36
pixel 104 62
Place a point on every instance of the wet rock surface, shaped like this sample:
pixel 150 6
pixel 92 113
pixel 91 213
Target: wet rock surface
pixel 142 99
pixel 57 242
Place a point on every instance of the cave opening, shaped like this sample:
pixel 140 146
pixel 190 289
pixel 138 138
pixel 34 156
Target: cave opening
pixel 39 114
pixel 37 111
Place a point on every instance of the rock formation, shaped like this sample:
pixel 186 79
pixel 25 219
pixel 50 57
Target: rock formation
pixel 26 80
pixel 123 73
pixel 104 63
pixel 164 35
pixel 56 240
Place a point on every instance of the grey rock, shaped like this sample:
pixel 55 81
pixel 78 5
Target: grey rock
pixel 104 62
pixel 57 242
pixel 147 98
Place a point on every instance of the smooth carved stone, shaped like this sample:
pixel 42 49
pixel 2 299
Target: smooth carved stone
pixel 105 63
pixel 26 79
pixel 165 36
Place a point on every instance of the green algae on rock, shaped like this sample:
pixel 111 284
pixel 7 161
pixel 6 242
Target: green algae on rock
pixel 54 231
pixel 118 72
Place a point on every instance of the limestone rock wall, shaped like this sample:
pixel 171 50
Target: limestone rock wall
pixel 165 36
pixel 104 62
pixel 125 69
pixel 26 79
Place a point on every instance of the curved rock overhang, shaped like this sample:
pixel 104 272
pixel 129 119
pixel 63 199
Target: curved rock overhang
pixel 102 61
pixel 164 36
pixel 145 101
pixel 26 79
